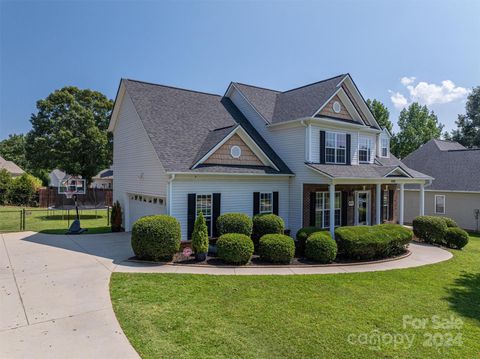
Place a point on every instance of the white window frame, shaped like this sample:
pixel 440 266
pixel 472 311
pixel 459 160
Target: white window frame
pixel 384 145
pixel 385 205
pixel 325 212
pixel 336 148
pixel 369 148
pixel 209 217
pixel 444 204
pixel 357 219
pixel 264 211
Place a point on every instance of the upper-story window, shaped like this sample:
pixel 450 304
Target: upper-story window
pixel 364 149
pixel 335 147
pixel 385 147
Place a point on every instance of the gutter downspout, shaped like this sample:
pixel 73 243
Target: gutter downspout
pixel 170 193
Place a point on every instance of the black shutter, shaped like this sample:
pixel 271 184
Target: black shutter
pixel 348 151
pixel 215 213
pixel 192 197
pixel 381 209
pixel 275 203
pixel 344 208
pixel 322 147
pixel 256 203
pixel 391 193
pixel 313 197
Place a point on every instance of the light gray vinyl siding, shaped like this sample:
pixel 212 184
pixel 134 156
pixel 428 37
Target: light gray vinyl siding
pixel 236 194
pixel 315 143
pixel 289 144
pixel 460 206
pixel 135 163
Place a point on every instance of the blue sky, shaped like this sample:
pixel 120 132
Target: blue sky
pixel 203 45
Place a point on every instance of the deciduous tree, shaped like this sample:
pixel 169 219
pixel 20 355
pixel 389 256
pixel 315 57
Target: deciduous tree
pixel 468 125
pixel 381 114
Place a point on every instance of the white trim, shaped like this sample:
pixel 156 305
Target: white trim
pixel 368 207
pixel 309 142
pixel 440 190
pixel 435 204
pixel 326 121
pixel 248 141
pixel 117 106
pixel 369 150
pixel 398 168
pixel 326 102
pixel 260 200
pixel 336 133
pixel 381 147
pixel 341 93
pixel 232 84
pixel 211 209
pixel 230 174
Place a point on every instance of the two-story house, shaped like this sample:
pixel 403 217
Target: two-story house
pixel 314 155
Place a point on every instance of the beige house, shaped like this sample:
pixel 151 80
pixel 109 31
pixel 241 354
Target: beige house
pixel 455 190
pixel 11 167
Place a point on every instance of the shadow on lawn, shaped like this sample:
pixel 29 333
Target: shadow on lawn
pixel 465 295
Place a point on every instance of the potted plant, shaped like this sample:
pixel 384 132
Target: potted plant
pixel 200 238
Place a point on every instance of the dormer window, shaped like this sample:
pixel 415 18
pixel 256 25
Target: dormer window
pixel 385 147
pixel 364 149
pixel 335 147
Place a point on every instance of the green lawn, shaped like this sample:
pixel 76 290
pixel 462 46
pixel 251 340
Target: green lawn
pixel 54 222
pixel 313 316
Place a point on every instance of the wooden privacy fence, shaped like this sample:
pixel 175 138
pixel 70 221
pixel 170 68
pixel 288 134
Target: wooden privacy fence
pixel 93 198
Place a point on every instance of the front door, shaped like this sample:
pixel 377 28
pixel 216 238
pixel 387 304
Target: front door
pixel 362 208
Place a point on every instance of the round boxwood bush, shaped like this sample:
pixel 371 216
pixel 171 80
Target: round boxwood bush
pixel 234 223
pixel 365 243
pixel 267 224
pixel 320 247
pixel 235 248
pixel 449 222
pixel 301 237
pixel 430 229
pixel 156 238
pixel 456 238
pixel 276 248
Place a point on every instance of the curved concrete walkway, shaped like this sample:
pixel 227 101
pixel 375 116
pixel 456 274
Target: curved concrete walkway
pixel 54 291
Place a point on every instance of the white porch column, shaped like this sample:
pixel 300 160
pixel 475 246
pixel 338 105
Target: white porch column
pixel 331 189
pixel 402 206
pixel 378 205
pixel 422 199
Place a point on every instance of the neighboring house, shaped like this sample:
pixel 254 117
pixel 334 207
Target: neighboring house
pixel 253 150
pixel 455 191
pixel 56 177
pixel 11 167
pixel 103 179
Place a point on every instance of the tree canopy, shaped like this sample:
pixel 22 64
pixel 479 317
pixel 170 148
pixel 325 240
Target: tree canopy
pixel 468 125
pixel 417 125
pixel 69 131
pixel 381 114
pixel 13 149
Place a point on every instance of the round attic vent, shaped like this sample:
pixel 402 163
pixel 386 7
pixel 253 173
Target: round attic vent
pixel 337 107
pixel 235 151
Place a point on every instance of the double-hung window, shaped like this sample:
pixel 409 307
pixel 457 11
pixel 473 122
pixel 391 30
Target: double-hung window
pixel 335 147
pixel 385 147
pixel 386 205
pixel 439 204
pixel 266 202
pixel 322 209
pixel 364 149
pixel 204 205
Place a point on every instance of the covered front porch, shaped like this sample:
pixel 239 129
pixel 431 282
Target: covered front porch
pixel 356 202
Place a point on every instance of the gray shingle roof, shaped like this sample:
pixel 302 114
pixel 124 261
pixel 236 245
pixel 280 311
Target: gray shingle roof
pixel 181 123
pixel 234 169
pixel 10 166
pixel 361 171
pixel 276 106
pixel 453 167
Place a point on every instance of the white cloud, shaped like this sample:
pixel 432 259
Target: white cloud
pixel 427 93
pixel 398 100
pixel 407 80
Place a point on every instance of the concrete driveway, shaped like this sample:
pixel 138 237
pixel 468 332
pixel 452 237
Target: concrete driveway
pixel 54 297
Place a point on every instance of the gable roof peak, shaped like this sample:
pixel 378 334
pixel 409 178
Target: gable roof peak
pixel 316 83
pixel 171 87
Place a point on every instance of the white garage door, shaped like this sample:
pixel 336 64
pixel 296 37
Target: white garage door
pixel 141 205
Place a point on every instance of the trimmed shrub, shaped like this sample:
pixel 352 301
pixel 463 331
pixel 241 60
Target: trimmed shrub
pixel 116 217
pixel 23 190
pixel 276 248
pixel 320 247
pixel 456 238
pixel 156 237
pixel 234 223
pixel 430 229
pixel 301 237
pixel 267 224
pixel 200 235
pixel 235 248
pixel 449 222
pixel 365 243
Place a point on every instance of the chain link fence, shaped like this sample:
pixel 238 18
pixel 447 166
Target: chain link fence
pixel 14 219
